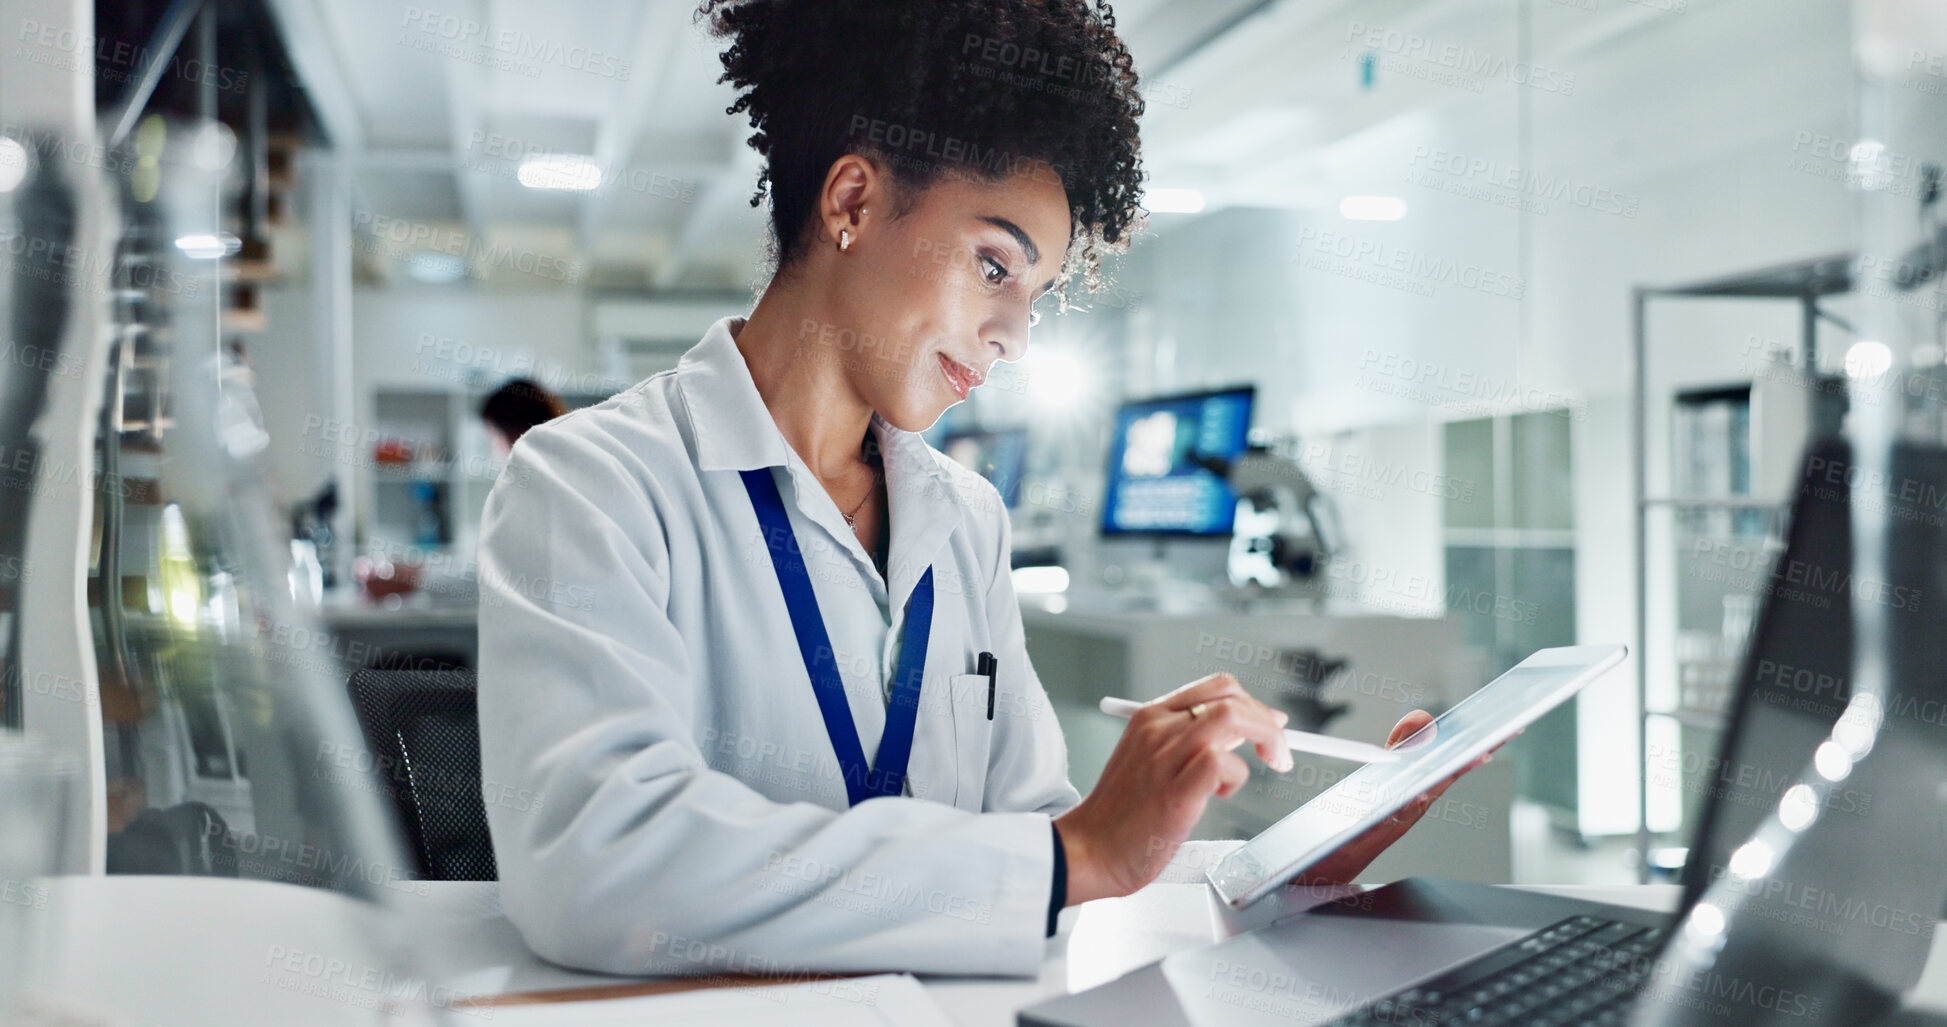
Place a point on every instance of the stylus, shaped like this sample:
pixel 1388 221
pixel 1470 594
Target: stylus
pixel 1300 741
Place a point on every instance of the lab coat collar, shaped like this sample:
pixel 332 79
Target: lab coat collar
pixel 921 505
pixel 735 431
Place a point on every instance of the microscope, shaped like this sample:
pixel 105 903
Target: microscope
pixel 1286 530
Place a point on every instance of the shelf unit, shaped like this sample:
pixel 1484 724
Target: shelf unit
pixel 432 425
pixel 450 453
pixel 1697 723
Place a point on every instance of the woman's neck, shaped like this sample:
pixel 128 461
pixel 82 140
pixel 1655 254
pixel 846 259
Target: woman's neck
pixel 821 415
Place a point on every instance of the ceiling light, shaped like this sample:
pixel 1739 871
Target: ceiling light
pixel 1173 201
pixel 574 172
pixel 435 268
pixel 1372 208
pixel 205 246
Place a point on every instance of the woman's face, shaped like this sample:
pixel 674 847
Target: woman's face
pixel 929 301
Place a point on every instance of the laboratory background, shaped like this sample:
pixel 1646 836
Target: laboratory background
pixel 1457 329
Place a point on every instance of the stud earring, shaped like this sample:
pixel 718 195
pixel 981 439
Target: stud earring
pixel 844 240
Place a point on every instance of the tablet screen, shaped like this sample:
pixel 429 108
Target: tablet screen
pixel 1377 790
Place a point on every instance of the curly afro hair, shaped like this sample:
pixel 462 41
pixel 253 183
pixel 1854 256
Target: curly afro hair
pixel 929 88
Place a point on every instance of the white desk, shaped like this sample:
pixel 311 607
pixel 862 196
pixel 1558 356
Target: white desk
pixel 205 950
pixel 1097 942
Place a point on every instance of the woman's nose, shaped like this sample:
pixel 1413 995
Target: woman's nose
pixel 1010 339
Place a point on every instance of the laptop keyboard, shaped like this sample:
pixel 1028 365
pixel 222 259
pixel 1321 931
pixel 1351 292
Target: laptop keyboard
pixel 1583 970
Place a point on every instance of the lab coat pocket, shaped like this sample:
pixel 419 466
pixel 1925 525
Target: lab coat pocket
pixel 973 735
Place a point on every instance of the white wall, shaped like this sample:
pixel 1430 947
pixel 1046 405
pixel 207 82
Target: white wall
pixel 433 337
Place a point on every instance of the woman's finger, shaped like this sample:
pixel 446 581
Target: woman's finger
pixel 1219 699
pixel 1408 726
pixel 1203 689
pixel 1229 721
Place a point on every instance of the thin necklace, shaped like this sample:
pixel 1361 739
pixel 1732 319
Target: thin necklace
pixel 870 452
pixel 874 487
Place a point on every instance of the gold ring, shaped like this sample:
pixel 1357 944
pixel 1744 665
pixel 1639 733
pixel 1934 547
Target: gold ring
pixel 1197 710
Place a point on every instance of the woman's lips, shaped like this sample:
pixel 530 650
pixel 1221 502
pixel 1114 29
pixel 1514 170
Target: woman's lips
pixel 958 375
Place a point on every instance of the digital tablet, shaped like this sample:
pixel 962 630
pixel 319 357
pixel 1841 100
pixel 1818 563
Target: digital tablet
pixel 1376 791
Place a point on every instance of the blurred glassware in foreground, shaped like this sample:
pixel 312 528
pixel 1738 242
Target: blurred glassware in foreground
pixel 35 783
pixel 222 782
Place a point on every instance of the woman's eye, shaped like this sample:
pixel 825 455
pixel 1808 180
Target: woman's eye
pixel 993 271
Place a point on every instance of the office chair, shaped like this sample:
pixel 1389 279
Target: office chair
pixel 424 734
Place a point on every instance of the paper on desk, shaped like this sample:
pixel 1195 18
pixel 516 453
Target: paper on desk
pixel 890 1000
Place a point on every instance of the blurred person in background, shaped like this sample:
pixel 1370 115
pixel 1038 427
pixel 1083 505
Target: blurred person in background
pixel 515 407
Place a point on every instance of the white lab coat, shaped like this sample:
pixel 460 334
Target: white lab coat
pixel 658 780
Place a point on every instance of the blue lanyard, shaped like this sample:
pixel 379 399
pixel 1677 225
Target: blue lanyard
pixel 888 775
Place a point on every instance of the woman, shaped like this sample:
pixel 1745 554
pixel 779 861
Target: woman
pixel 733 620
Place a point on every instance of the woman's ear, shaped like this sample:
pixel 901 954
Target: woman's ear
pixel 844 203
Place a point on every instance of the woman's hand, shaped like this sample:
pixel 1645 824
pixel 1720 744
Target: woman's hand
pixel 1162 773
pixel 1351 859
pixel 1168 765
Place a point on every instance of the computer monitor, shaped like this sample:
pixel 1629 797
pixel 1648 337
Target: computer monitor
pixel 1169 461
pixel 998 456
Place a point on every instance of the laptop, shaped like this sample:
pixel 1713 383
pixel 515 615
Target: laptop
pixel 1427 951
